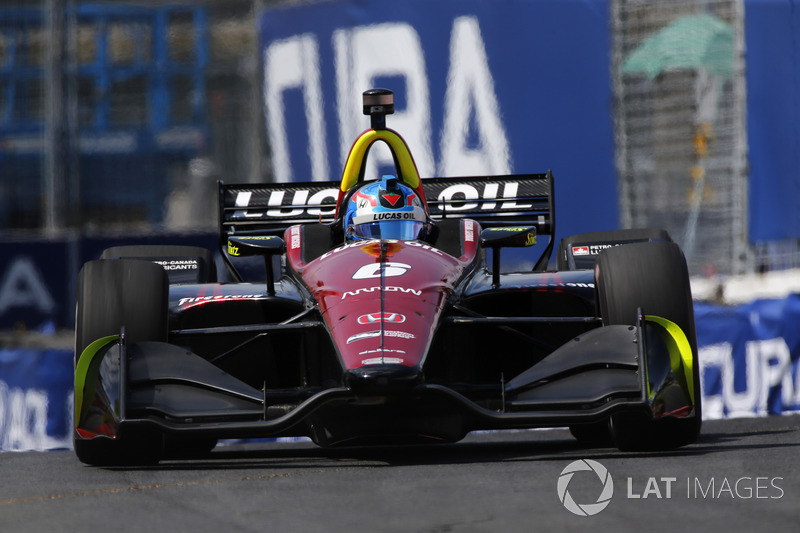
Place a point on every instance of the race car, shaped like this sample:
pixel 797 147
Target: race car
pixel 383 310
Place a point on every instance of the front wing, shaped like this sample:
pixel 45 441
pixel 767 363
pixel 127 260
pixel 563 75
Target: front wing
pixel 148 386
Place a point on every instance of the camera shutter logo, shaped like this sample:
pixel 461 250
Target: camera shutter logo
pixel 585 509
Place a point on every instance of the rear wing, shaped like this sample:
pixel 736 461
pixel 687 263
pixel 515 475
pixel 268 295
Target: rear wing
pixel 270 208
pixel 491 200
pixel 494 201
pixel 517 199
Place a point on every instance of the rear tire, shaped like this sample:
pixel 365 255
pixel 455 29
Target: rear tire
pixel 601 237
pixel 112 294
pixel 206 271
pixel 652 276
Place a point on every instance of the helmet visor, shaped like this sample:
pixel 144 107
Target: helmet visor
pixel 401 230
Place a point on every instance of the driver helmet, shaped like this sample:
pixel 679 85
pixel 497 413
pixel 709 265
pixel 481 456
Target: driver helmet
pixel 386 209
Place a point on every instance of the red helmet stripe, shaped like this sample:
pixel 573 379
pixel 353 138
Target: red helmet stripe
pixel 361 196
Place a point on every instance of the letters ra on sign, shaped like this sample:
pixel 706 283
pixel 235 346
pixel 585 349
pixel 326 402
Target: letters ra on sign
pixel 296 62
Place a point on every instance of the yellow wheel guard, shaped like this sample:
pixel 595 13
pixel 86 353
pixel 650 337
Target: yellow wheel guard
pixel 680 351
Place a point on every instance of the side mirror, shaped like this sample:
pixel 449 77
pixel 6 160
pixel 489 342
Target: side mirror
pixel 506 237
pixel 266 245
pixel 244 245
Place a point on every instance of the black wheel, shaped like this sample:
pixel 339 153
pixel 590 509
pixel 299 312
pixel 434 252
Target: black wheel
pixel 128 449
pixel 594 434
pixel 112 294
pixel 179 447
pixel 652 276
pixel 604 237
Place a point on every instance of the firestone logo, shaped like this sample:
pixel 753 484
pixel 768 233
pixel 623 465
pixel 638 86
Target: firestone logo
pixel 585 509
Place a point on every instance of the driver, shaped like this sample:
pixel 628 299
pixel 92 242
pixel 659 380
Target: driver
pixel 386 209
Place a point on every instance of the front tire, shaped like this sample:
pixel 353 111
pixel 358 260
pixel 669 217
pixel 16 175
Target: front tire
pixel 652 276
pixel 112 294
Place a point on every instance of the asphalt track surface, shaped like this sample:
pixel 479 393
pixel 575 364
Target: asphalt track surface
pixel 743 475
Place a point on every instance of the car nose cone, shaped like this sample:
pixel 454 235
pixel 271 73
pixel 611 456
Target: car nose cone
pixel 381 379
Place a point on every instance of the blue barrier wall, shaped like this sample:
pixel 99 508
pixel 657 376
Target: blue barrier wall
pixel 35 399
pixel 749 357
pixel 38 277
pixel 481 88
pixel 773 113
pixel 528 81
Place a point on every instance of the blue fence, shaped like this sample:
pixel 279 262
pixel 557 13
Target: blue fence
pixel 134 116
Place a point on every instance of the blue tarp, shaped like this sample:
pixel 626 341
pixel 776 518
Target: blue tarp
pixel 750 356
pixel 35 399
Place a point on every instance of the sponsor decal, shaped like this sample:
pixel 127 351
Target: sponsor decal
pixel 233 250
pixel 356 292
pixel 364 201
pixel 572 284
pixel 377 333
pixel 591 249
pixel 418 244
pixel 308 202
pixel 378 350
pixel 374 318
pixel 416 214
pixel 345 247
pixel 392 199
pixel 219 298
pixel 388 269
pixel 294 238
pixel 382 360
pixel 260 237
pixel 465 197
pixel 580 250
pixel 377 217
pixel 180 264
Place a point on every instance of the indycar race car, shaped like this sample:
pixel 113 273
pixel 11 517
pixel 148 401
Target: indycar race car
pixel 385 314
